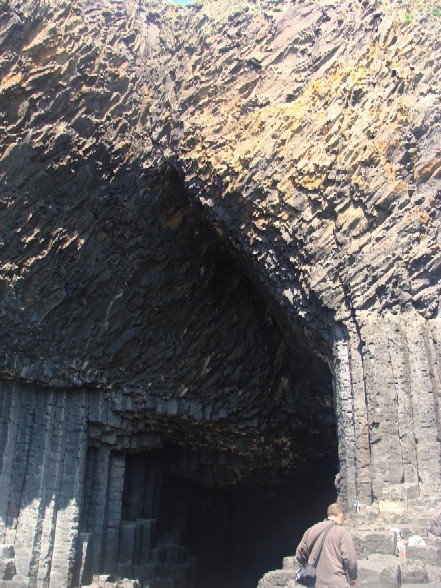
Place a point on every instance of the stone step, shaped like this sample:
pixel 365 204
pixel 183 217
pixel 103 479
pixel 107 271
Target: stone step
pixel 276 579
pixel 370 542
pixel 413 572
pixel 429 554
pixel 381 570
pixel 390 571
pixel 378 546
pixel 417 521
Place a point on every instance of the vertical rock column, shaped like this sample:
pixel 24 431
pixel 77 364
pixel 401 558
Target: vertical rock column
pixel 388 407
pixel 94 515
pixel 43 442
pixel 114 506
pixel 401 366
pixel 70 490
pixel 363 481
pixel 344 406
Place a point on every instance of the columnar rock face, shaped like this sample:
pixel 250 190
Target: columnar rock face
pixel 219 278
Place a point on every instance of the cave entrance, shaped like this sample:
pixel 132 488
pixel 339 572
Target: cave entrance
pixel 176 531
pixel 171 524
pixel 238 493
pixel 237 534
pixel 241 401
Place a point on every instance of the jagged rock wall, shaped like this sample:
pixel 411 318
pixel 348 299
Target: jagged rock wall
pixel 274 165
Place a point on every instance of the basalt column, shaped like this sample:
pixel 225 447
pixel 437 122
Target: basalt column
pixel 130 487
pixel 388 407
pixel 43 449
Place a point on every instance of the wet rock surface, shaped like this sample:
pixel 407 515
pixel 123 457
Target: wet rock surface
pixel 219 272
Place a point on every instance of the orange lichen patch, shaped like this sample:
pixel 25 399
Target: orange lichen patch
pixel 402 187
pixel 386 139
pixel 312 182
pixel 419 219
pixel 390 170
pixel 287 189
pixel 422 215
pixel 431 168
pixel 285 121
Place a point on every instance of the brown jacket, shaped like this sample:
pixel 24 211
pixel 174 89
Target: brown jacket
pixel 337 563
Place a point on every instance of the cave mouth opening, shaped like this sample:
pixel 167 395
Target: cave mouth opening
pixel 237 534
pixel 177 531
pixel 248 454
pixel 234 526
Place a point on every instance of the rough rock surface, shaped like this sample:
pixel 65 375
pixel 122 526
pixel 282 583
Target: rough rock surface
pixel 219 269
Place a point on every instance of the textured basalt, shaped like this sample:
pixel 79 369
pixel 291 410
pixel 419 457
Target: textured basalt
pixel 219 277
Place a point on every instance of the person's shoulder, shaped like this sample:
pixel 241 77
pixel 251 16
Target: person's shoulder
pixel 339 530
pixel 346 533
pixel 318 527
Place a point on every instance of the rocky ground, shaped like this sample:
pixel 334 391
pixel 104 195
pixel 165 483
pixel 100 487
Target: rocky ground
pixel 404 555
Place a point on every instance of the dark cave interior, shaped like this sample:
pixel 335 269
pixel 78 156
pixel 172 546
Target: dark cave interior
pixel 228 495
pixel 240 533
pixel 176 532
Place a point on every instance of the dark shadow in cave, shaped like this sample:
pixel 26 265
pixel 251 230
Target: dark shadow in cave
pixel 238 534
pixel 235 532
pixel 238 481
pixel 177 532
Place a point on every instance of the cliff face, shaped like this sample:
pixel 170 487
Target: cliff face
pixel 219 256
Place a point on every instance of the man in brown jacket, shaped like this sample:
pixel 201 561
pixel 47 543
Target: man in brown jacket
pixel 337 564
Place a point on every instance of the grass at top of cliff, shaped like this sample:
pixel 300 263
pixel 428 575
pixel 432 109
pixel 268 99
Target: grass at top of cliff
pixel 428 7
